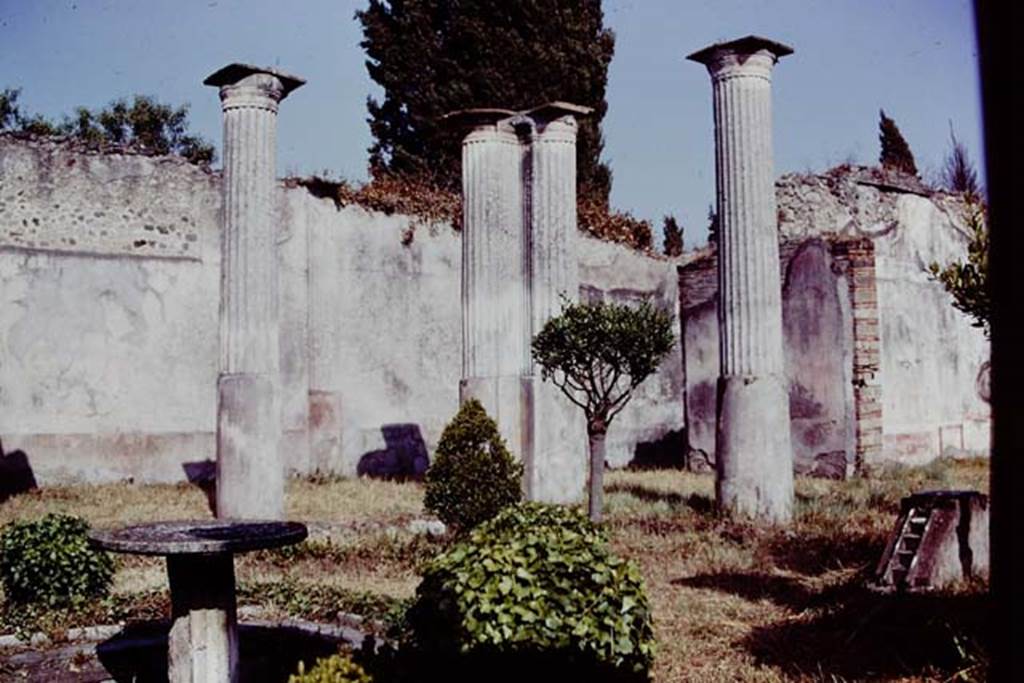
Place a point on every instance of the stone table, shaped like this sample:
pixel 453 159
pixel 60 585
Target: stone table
pixel 203 642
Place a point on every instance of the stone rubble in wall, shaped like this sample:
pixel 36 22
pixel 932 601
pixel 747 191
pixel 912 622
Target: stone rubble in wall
pixel 94 223
pixel 852 201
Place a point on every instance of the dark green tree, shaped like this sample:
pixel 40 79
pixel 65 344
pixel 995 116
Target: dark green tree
pixel 673 244
pixel 895 152
pixel 432 57
pixel 712 225
pixel 597 354
pixel 10 115
pixel 473 475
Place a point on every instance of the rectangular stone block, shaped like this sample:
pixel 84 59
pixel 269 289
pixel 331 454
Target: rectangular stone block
pixel 556 463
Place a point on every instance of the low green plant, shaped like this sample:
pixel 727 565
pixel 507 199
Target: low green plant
pixel 537 589
pixel 473 475
pixel 49 561
pixel 334 669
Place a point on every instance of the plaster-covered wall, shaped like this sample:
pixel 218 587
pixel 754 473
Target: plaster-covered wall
pixel 108 345
pixel 817 343
pixel 933 364
pixel 109 270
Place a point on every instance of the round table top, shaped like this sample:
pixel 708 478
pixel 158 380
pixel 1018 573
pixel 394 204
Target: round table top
pixel 199 537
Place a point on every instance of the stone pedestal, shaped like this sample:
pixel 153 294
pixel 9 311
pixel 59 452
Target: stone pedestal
pixel 250 473
pixel 203 643
pixel 753 451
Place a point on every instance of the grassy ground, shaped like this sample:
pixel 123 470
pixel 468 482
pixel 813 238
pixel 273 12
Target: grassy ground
pixel 732 601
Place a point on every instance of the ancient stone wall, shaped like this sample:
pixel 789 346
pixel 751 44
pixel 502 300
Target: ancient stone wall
pixel 881 366
pixel 108 346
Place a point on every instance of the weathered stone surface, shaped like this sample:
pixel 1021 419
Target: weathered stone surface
pixel 554 470
pixel 198 537
pixel 699 461
pixel 203 639
pixel 250 472
pixel 753 451
pixel 495 298
pixel 940 537
pixel 519 265
pixel 109 361
pixel 202 646
pixel 831 465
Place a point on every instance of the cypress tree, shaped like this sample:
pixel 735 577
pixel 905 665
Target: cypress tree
pixel 436 56
pixel 673 244
pixel 895 152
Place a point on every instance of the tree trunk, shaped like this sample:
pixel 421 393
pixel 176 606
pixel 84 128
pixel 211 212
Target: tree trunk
pixel 596 500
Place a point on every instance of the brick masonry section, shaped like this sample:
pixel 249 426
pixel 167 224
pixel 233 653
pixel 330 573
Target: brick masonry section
pixel 859 256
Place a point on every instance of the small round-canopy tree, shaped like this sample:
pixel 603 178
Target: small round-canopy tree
pixel 597 354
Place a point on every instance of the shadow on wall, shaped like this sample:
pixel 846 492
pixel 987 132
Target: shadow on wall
pixel 15 474
pixel 404 455
pixel 667 452
pixel 203 473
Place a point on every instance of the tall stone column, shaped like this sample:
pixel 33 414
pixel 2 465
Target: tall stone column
pixel 250 472
pixel 556 466
pixel 495 305
pixel 753 452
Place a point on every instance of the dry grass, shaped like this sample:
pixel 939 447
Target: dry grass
pixel 732 600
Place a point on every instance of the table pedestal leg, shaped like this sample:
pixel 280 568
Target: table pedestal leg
pixel 203 643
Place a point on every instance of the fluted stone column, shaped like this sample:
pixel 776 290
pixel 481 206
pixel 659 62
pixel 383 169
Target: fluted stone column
pixel 250 472
pixel 556 466
pixel 495 306
pixel 753 452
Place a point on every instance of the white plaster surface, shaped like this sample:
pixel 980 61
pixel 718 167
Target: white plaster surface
pixel 108 359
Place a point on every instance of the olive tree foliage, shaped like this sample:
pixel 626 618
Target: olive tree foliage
pixel 144 125
pixel 598 354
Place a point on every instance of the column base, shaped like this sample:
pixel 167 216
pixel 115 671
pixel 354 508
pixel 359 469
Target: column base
pixel 507 404
pixel 753 453
pixel 556 466
pixel 203 642
pixel 250 473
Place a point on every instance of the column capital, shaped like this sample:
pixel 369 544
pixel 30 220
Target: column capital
pixel 245 85
pixel 750 56
pixel 479 122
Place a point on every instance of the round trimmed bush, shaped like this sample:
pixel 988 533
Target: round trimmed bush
pixel 334 669
pixel 473 475
pixel 49 561
pixel 532 591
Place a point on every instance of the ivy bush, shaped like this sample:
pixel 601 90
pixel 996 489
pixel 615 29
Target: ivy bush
pixel 473 475
pixel 49 561
pixel 335 669
pixel 532 592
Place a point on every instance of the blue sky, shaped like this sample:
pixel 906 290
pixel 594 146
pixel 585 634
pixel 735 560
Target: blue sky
pixel 914 58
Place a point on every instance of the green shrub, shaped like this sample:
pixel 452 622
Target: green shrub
pixel 473 476
pixel 334 669
pixel 49 561
pixel 536 590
